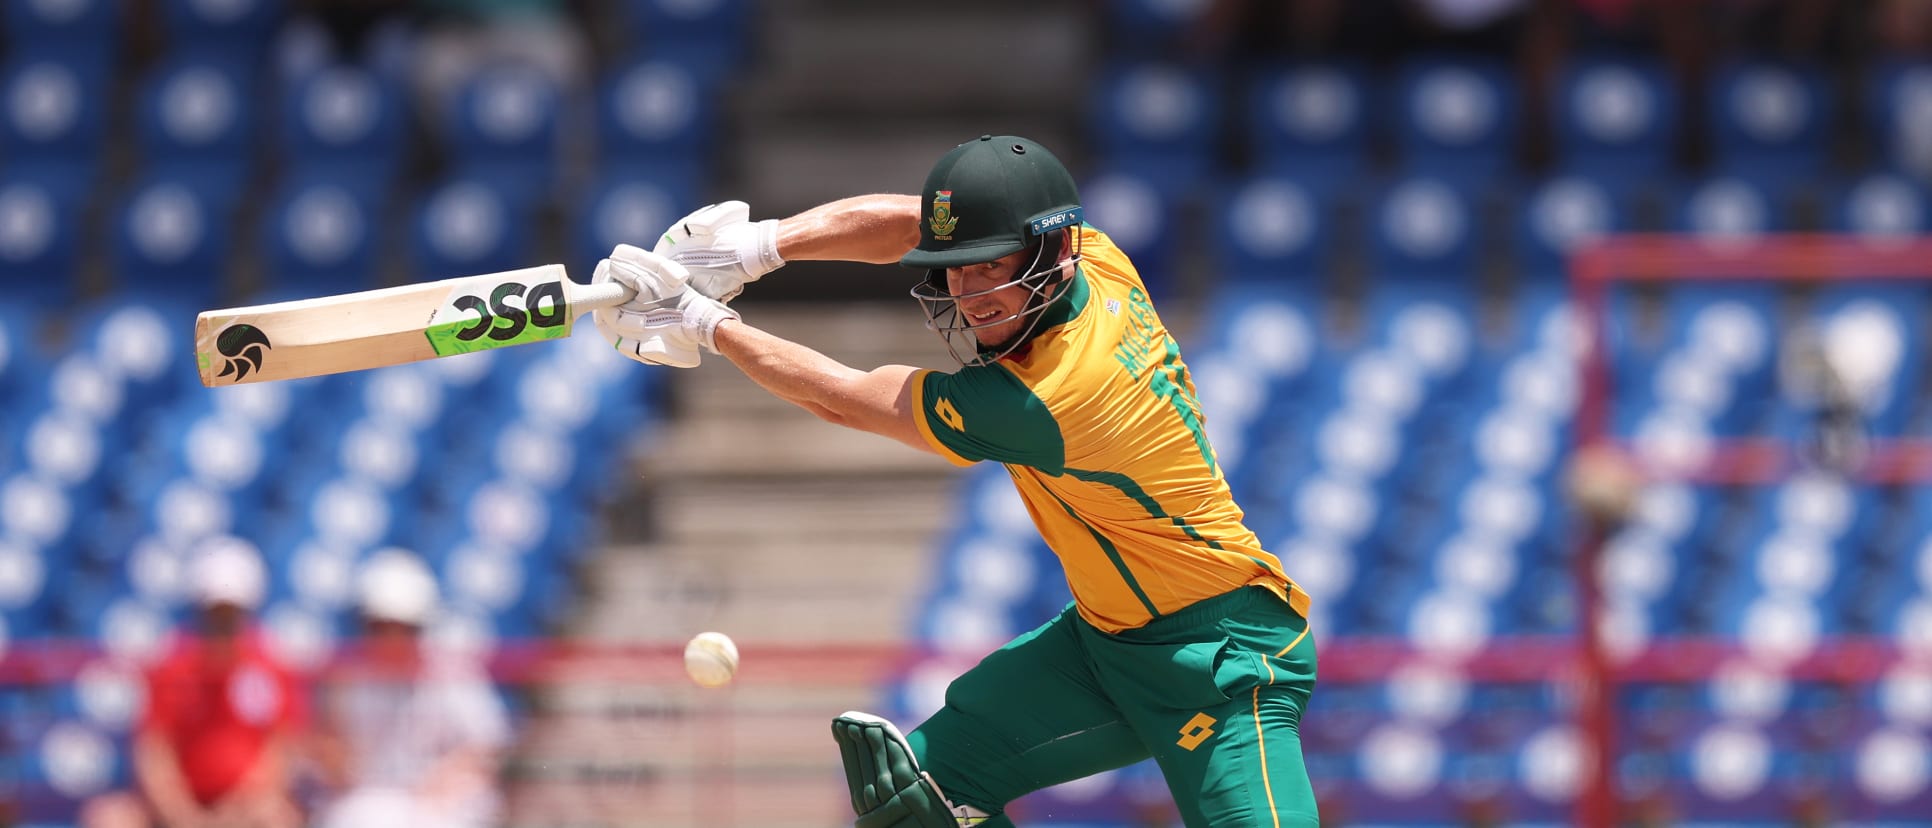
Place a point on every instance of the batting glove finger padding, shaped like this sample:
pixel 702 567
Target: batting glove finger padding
pixel 722 248
pixel 654 277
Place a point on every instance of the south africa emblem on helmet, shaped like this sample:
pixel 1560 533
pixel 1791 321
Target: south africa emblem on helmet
pixel 943 221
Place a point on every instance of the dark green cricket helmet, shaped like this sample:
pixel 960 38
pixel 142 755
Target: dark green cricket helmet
pixel 989 198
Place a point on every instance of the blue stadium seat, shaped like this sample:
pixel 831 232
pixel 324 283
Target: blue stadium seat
pixel 135 341
pixel 29 581
pixel 1140 216
pixel 305 638
pixel 1882 775
pixel 1423 229
pixel 707 35
pixel 1898 99
pixel 1725 208
pixel 1159 120
pixel 236 31
pixel 84 31
pixel 1556 218
pixel 1868 332
pixel 466 226
pixel 1616 119
pixel 394 458
pixel 171 240
pixel 1456 118
pixel 70 762
pixel 1152 27
pixel 53 120
pixel 320 238
pixel 197 125
pixel 1310 122
pixel 1880 206
pixel 505 128
pixel 625 210
pixel 1772 121
pixel 105 694
pixel 40 233
pixel 318 575
pixel 1271 229
pixel 350 512
pixel 654 114
pixel 345 123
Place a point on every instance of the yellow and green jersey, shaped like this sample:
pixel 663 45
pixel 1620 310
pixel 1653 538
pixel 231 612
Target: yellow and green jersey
pixel 1097 421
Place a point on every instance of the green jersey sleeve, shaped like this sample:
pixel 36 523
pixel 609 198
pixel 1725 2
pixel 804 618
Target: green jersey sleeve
pixel 985 413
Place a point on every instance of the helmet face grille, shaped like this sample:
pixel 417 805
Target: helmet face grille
pixel 1041 278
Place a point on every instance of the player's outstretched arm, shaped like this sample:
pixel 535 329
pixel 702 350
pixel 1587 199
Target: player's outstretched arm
pixel 874 229
pixel 879 401
pixel 724 250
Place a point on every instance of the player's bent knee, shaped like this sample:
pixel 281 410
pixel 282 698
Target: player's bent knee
pixel 888 788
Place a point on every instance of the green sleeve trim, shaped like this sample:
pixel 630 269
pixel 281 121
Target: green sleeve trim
pixel 986 413
pixel 1133 491
pixel 1113 554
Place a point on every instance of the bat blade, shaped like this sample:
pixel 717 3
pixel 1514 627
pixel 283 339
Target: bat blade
pixel 392 326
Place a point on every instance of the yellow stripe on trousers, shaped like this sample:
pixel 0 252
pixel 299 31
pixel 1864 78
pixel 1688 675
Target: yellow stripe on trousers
pixel 1261 741
pixel 1291 645
pixel 1267 785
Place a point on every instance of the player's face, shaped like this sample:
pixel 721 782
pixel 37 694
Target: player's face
pixel 980 307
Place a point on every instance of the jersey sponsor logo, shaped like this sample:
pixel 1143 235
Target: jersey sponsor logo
pixel 243 348
pixel 1196 731
pixel 949 414
pixel 1047 224
pixel 1113 306
pixel 943 221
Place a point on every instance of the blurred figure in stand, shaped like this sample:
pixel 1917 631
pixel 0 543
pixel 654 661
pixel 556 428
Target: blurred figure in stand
pixel 222 716
pixel 408 736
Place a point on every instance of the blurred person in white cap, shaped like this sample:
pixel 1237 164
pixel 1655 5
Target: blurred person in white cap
pixel 408 737
pixel 223 715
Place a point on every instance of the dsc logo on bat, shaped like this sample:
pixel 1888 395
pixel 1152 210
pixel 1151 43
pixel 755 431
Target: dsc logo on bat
pixel 485 314
pixel 542 306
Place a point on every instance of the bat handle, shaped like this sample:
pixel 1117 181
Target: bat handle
pixel 600 295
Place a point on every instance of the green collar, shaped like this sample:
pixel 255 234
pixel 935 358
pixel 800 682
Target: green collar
pixel 1075 301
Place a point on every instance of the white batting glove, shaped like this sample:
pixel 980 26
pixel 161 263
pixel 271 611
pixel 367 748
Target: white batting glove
pixel 671 333
pixel 723 248
pixel 658 282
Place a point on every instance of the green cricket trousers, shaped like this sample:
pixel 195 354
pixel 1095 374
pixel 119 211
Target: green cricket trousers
pixel 1213 692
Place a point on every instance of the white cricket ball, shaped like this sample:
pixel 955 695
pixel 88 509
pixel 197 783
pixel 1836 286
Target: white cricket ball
pixel 711 659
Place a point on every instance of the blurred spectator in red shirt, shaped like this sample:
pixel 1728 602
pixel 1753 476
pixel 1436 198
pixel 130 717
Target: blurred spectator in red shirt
pixel 408 736
pixel 213 750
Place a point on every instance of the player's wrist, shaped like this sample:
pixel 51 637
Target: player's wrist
pixel 758 249
pixel 710 315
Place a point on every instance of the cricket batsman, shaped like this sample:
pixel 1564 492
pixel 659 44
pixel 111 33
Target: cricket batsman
pixel 1185 642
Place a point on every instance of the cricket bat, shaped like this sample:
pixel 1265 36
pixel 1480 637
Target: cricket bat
pixel 391 326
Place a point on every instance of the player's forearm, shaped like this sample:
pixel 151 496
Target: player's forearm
pixel 877 401
pixel 876 229
pixel 161 782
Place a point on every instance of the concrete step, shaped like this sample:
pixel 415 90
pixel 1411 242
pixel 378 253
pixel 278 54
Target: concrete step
pixel 809 163
pixel 766 564
pixel 588 798
pixel 767 616
pixel 886 508
pixel 822 591
pixel 919 63
pixel 782 443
